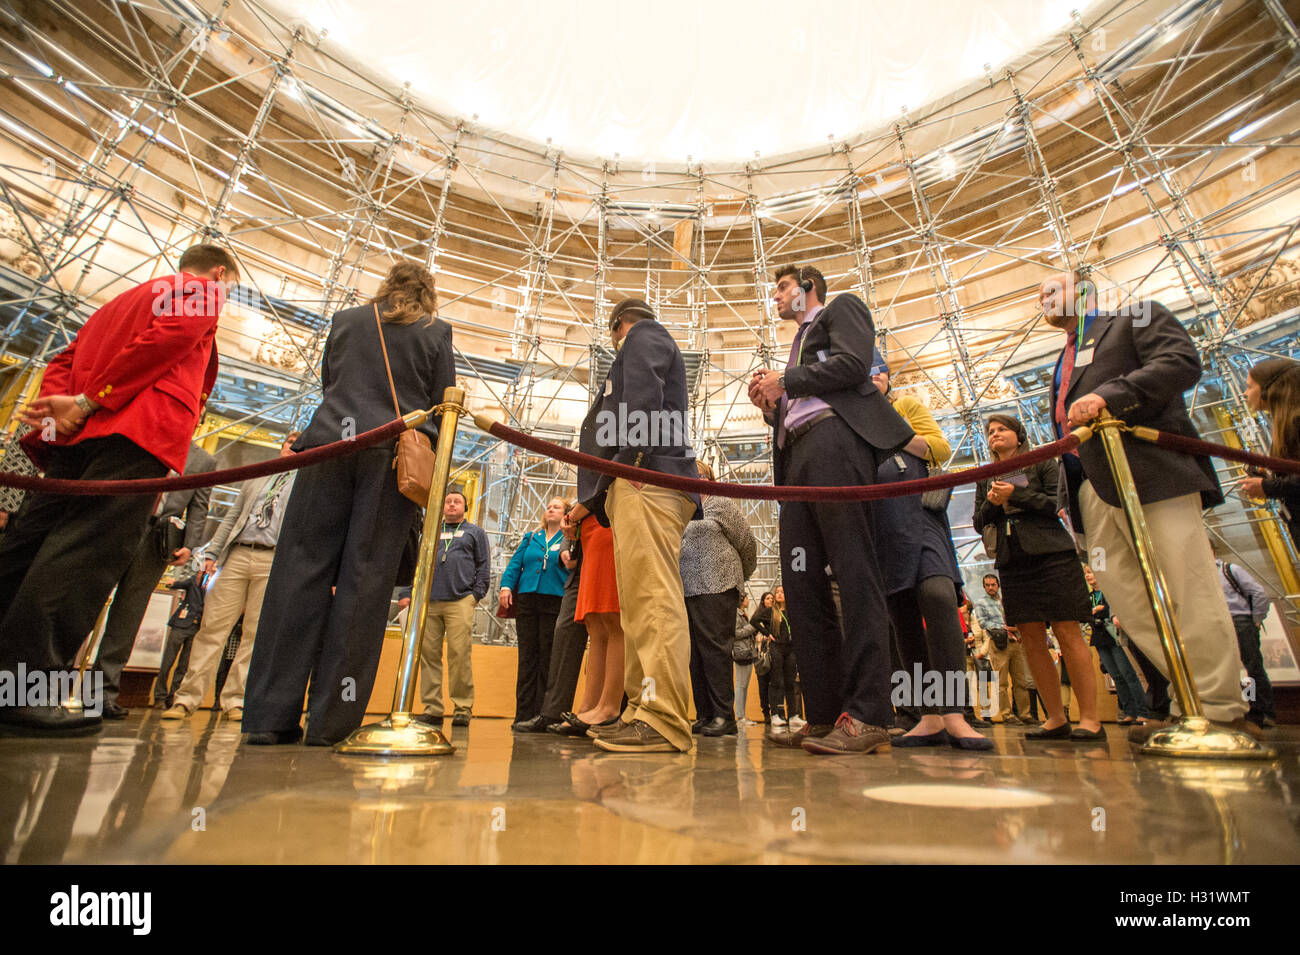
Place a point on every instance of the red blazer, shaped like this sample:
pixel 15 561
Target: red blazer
pixel 149 358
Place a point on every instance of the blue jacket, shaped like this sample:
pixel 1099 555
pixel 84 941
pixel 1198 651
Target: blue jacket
pixel 536 568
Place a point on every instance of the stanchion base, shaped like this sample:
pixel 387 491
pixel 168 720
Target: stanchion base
pixel 399 735
pixel 1195 737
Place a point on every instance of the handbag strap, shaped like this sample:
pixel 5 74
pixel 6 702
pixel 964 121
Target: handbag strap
pixel 387 368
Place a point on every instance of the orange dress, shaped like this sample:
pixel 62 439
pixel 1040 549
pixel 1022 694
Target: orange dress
pixel 597 587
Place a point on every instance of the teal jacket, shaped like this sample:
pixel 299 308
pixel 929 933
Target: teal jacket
pixel 535 567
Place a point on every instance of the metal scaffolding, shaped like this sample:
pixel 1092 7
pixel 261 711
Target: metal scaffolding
pixel 1154 145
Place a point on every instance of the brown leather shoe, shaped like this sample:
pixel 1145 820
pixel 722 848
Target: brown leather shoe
pixel 604 732
pixel 849 736
pixel 794 738
pixel 640 737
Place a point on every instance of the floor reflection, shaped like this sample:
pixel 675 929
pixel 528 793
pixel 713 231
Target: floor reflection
pixel 145 791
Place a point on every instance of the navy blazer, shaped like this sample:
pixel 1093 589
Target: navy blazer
pixel 1142 370
pixel 835 366
pixel 355 393
pixel 189 613
pixel 646 386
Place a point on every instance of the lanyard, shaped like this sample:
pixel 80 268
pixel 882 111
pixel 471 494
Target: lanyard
pixel 451 534
pixel 546 552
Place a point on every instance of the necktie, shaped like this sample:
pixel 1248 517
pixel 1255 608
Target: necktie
pixel 1067 369
pixel 794 360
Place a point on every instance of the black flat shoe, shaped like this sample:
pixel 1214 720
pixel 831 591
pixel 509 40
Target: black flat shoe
pixel 572 720
pixel 274 737
pixel 566 729
pixel 1080 735
pixel 972 743
pixel 1059 732
pixel 922 739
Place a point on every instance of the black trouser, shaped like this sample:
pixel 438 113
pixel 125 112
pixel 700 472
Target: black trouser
pixel 844 668
pixel 535 618
pixel 1253 660
pixel 781 696
pixel 567 647
pixel 929 634
pixel 342 528
pixel 712 621
pixel 764 687
pixel 62 555
pixel 128 609
pixel 1157 685
pixel 175 650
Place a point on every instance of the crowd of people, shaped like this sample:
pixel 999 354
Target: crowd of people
pixel 869 640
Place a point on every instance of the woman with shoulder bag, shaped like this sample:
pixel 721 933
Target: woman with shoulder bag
pixel 744 652
pixel 1042 581
pixel 327 597
pixel 922 583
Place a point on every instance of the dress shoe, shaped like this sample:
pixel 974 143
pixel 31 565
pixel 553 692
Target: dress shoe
pixel 639 737
pixel 430 719
pixel 794 738
pixel 274 737
pixel 112 710
pixel 46 721
pixel 235 714
pixel 176 712
pixel 1056 732
pixel 719 726
pixel 849 736
pixel 460 719
pixel 1142 732
pixel 565 728
pixel 697 727
pixel 980 721
pixel 537 724
pixel 1012 720
pixel 921 739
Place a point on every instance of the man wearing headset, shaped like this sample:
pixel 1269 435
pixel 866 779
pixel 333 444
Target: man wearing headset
pixel 830 424
pixel 639 418
pixel 1137 364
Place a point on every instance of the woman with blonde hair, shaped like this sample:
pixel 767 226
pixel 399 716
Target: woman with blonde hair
pixel 533 584
pixel 1273 386
pixel 327 596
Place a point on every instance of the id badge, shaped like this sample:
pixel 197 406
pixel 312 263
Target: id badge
pixel 1084 357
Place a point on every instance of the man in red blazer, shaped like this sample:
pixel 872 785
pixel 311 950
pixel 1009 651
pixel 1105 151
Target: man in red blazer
pixel 120 402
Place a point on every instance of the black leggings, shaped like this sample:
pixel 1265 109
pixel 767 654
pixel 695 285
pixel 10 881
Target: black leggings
pixel 781 677
pixel 929 633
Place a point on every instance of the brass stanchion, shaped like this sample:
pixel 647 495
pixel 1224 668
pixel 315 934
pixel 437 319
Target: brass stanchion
pixel 400 735
pixel 75 701
pixel 1193 735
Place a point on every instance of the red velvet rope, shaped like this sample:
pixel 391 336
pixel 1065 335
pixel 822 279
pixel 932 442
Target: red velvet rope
pixel 791 492
pixel 1177 442
pixel 209 478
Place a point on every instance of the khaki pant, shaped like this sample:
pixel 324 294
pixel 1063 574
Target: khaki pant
pixel 239 589
pixel 452 620
pixel 648 523
pixel 1195 590
pixel 1013 677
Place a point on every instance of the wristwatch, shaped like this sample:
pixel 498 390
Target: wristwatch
pixel 84 404
pixel 780 380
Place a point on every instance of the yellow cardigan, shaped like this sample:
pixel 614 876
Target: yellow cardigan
pixel 918 416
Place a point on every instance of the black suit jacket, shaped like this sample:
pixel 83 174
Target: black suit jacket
pixel 1142 368
pixel 191 505
pixel 835 366
pixel 356 396
pixel 646 380
pixel 1031 510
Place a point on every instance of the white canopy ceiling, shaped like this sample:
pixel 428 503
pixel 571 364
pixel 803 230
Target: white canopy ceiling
pixel 677 78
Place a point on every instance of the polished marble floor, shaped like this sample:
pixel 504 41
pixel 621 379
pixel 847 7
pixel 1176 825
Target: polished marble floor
pixel 145 791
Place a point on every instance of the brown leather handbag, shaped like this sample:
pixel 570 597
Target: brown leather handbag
pixel 415 456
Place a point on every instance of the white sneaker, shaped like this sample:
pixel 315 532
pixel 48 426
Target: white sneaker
pixel 176 712
pixel 777 720
pixel 797 723
pixel 235 714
